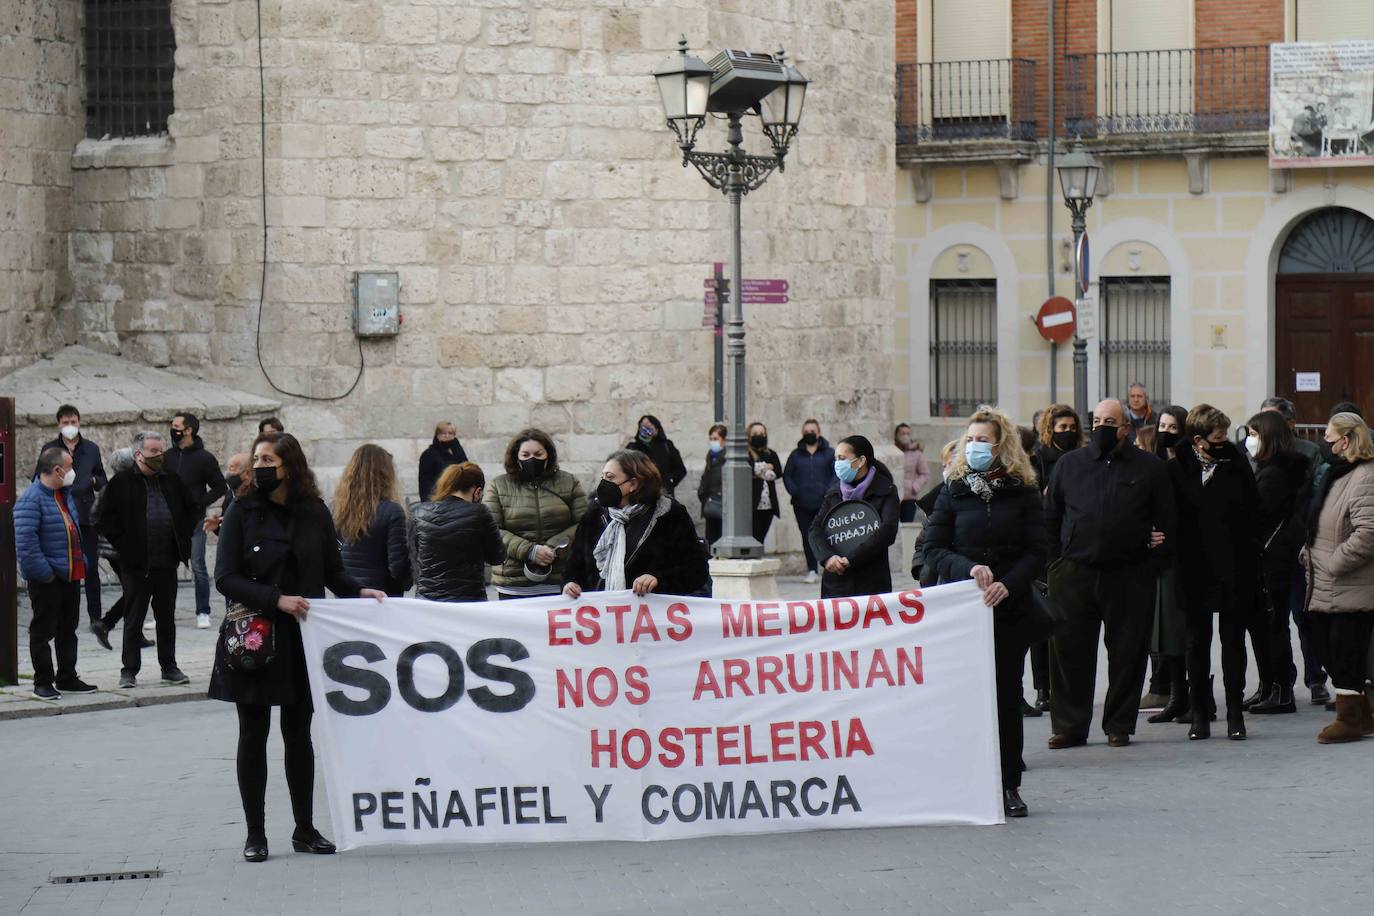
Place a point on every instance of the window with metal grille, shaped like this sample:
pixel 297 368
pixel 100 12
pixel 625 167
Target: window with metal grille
pixel 963 346
pixel 129 64
pixel 1135 336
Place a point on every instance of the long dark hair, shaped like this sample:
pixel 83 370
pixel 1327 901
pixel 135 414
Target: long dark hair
pixel 300 480
pixel 864 449
pixel 1274 434
pixel 1180 415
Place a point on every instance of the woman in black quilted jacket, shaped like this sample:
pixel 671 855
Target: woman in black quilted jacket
pixel 371 522
pixel 453 537
pixel 989 526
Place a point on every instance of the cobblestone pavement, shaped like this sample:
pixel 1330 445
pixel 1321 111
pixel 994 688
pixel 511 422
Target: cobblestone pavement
pixel 1271 825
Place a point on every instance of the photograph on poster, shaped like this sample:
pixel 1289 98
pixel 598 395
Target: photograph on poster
pixel 1321 107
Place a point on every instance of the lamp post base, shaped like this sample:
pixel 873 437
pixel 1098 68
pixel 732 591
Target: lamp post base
pixel 736 548
pixel 744 580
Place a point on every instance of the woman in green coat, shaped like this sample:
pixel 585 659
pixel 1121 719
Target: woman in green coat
pixel 537 507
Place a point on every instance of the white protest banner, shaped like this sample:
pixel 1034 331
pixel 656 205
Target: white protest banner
pixel 612 717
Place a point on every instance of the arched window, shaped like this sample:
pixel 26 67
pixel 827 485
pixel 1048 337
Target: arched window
pixel 1335 240
pixel 129 62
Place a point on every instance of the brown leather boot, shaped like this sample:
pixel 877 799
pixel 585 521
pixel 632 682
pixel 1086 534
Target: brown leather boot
pixel 1349 714
pixel 1367 717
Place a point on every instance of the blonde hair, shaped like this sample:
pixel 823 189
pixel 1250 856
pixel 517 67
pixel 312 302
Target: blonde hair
pixel 1350 424
pixel 1008 448
pixel 369 478
pixel 947 453
pixel 456 478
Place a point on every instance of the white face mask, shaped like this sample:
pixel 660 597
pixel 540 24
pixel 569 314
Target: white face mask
pixel 69 478
pixel 70 432
pixel 1252 445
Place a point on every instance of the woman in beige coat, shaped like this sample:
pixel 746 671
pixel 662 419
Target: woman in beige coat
pixel 1340 565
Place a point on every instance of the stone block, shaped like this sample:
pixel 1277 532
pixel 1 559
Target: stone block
pixel 410 25
pixel 569 383
pixel 395 142
pixel 519 386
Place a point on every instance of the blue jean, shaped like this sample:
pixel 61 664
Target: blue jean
pixel 1313 675
pixel 198 570
pixel 804 519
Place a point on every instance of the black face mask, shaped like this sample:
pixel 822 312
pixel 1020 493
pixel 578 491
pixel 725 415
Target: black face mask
pixel 1166 440
pixel 758 442
pixel 1065 441
pixel 810 438
pixel 1329 456
pixel 234 481
pixel 533 468
pixel 265 479
pixel 607 494
pixel 1222 451
pixel 1105 438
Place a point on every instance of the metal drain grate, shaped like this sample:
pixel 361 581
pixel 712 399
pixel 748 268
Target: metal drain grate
pixel 138 875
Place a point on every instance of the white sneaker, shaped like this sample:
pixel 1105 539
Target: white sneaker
pixel 202 621
pixel 149 624
pixel 811 577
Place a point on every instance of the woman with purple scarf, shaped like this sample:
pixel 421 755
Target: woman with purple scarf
pixel 858 476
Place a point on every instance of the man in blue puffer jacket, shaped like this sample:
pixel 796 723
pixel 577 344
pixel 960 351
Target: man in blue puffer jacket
pixel 809 473
pixel 47 538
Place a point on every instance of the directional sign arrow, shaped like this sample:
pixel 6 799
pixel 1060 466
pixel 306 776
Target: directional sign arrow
pixel 754 298
pixel 754 286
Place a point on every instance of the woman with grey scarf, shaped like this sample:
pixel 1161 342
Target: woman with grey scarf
pixel 635 536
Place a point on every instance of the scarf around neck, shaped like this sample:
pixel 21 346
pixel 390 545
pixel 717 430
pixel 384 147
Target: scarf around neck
pixel 609 552
pixel 857 490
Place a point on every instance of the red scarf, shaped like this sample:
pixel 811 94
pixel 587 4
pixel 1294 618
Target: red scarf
pixel 76 561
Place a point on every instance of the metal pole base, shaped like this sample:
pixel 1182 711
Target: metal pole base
pixel 737 548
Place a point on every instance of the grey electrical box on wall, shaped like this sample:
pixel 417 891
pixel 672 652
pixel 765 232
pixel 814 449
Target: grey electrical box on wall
pixel 376 303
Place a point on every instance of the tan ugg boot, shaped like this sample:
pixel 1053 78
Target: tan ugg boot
pixel 1367 718
pixel 1349 713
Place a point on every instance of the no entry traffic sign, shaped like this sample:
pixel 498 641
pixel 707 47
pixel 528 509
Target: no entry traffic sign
pixel 1056 320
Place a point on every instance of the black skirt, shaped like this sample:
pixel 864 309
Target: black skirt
pixel 283 682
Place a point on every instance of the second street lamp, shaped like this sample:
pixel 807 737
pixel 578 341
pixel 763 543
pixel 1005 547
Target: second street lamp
pixel 735 84
pixel 1078 174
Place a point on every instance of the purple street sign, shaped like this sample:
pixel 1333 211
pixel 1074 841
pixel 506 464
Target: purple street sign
pixel 753 298
pixel 754 286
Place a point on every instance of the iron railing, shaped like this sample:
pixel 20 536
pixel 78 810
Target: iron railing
pixel 963 346
pixel 1189 90
pixel 1135 336
pixel 129 65
pixel 966 100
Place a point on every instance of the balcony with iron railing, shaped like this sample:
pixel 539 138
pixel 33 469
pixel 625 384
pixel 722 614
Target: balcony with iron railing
pixel 966 110
pixel 1189 98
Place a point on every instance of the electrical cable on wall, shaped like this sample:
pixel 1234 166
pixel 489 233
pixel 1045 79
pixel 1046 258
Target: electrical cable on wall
pixel 262 284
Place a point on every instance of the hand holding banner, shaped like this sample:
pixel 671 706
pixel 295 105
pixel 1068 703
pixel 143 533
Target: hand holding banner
pixel 621 718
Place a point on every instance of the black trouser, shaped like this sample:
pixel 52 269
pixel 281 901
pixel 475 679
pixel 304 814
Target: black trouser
pixel 804 519
pixel 1122 603
pixel 90 551
pixel 1009 659
pixel 1281 666
pixel 763 520
pixel 1313 675
pixel 713 526
pixel 1159 673
pixel 158 587
pixel 56 613
pixel 1255 620
pixel 116 612
pixel 1040 665
pixel 254 724
pixel 1231 624
pixel 1342 643
pixel 906 511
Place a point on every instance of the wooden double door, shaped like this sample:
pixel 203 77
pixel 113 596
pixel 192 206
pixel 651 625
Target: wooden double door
pixel 1324 324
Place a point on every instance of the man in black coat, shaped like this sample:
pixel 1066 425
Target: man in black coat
pixel 147 515
pixel 1110 512
pixel 199 470
pixel 90 479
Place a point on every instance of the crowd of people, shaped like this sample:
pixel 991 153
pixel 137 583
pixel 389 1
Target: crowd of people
pixel 1140 530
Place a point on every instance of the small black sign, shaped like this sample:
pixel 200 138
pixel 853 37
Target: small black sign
pixel 851 526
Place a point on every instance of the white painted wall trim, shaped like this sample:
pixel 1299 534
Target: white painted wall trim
pixel 1112 236
pixel 1008 318
pixel 1261 266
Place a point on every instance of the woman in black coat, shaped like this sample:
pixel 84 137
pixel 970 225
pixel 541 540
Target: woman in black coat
pixel 453 537
pixel 651 440
pixel 371 523
pixel 277 550
pixel 444 450
pixel 1280 479
pixel 711 488
pixel 1217 546
pixel 989 526
pixel 767 469
pixel 859 476
pixel 635 536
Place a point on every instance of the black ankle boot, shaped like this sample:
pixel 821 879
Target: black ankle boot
pixel 1042 700
pixel 255 848
pixel 1259 696
pixel 1178 704
pixel 1279 701
pixel 1200 724
pixel 1235 716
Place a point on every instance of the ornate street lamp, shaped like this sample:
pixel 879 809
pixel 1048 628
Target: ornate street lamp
pixel 735 83
pixel 1078 174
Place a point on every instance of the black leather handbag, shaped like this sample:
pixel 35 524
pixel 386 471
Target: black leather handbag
pixel 1044 615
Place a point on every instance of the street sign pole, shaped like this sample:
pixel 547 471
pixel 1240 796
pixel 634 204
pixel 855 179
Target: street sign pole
pixel 722 289
pixel 9 573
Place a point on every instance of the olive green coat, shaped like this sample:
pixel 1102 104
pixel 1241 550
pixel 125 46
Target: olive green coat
pixel 531 513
